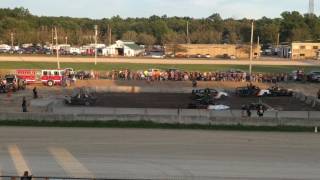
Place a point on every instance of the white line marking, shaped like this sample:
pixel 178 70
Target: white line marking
pixel 69 163
pixel 18 160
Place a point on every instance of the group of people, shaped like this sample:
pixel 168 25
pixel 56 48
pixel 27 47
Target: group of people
pixel 177 75
pixel 24 104
pixel 246 110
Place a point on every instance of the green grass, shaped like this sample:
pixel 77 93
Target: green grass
pixel 135 67
pixel 151 125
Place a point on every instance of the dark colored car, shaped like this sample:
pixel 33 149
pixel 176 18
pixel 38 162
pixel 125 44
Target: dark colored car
pixel 247 91
pixel 278 91
pixel 314 76
pixel 81 97
pixel 83 75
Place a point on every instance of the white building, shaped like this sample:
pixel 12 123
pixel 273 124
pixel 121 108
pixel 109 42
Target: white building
pixel 124 48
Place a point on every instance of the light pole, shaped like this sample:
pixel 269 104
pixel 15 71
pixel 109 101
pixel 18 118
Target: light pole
pixel 57 46
pixel 251 50
pixel 95 44
pixel 12 40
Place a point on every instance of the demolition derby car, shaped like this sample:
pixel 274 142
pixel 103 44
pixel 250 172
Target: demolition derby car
pixel 215 94
pixel 274 91
pixel 12 83
pixel 81 96
pixel 203 98
pixel 279 91
pixel 251 90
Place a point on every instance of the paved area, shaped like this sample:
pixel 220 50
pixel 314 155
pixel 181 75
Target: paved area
pixel 263 61
pixel 164 154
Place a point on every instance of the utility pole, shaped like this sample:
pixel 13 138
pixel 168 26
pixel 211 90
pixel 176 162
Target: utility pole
pixel 278 40
pixel 110 34
pixel 52 38
pixel 258 45
pixel 66 38
pixel 95 44
pixel 188 38
pixel 11 40
pixel 57 46
pixel 251 50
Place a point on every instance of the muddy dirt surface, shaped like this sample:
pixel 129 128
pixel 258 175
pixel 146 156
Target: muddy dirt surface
pixel 12 102
pixel 143 100
pixel 174 101
pixel 277 103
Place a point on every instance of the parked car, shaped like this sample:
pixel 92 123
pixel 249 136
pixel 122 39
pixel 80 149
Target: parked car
pixel 207 56
pixel 83 75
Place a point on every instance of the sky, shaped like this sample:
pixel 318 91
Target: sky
pixel 98 9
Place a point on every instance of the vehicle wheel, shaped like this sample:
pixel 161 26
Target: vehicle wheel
pixel 50 83
pixel 87 103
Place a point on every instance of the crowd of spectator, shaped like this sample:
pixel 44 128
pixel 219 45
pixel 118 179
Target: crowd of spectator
pixel 176 75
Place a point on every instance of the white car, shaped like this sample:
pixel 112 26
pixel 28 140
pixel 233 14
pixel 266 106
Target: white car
pixel 221 94
pixel 218 107
pixel 215 93
pixel 264 92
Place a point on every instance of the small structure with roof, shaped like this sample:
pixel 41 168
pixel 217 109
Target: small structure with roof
pixel 124 48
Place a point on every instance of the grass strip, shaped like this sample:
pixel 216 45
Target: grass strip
pixel 151 125
pixel 137 67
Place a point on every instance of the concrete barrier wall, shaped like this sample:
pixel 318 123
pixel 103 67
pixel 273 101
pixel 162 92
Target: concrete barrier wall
pixel 184 116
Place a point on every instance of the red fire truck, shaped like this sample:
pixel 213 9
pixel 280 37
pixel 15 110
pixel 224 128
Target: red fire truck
pixel 48 77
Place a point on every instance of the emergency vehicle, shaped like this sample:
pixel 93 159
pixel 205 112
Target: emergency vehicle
pixel 49 77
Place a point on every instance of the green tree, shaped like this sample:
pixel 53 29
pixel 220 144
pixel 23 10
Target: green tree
pixel 130 36
pixel 146 39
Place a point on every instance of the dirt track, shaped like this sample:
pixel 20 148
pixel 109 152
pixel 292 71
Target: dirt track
pixel 174 101
pixel 143 100
pixel 12 103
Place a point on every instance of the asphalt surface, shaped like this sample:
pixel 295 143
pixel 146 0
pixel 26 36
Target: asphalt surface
pixel 162 154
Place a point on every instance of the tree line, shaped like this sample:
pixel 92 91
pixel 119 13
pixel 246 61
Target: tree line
pixel 28 28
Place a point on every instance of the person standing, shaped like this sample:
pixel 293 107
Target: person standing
pixel 194 83
pixel 35 93
pixel 260 111
pixel 26 176
pixel 24 104
pixel 248 111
